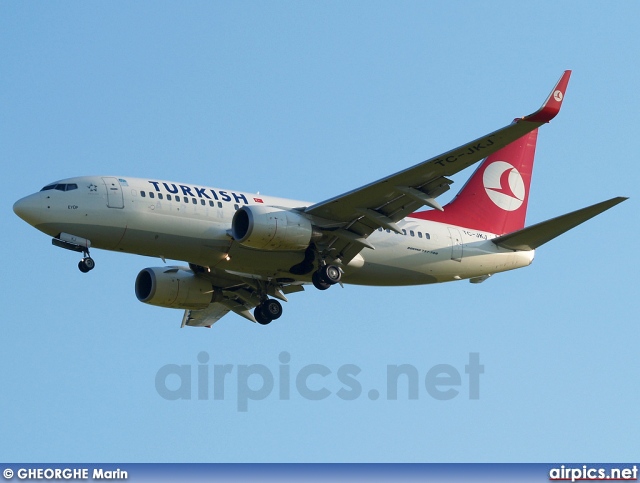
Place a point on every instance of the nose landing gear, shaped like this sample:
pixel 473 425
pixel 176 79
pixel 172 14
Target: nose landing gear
pixel 76 244
pixel 86 264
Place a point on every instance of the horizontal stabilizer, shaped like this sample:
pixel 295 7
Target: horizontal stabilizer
pixel 534 236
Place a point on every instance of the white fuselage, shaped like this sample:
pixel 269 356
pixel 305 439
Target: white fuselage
pixel 191 222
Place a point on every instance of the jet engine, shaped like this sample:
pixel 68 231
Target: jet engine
pixel 173 287
pixel 269 228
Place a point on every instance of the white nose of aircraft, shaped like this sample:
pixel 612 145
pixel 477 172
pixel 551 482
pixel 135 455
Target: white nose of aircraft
pixel 29 209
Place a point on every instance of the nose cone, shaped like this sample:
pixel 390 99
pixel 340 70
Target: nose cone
pixel 29 209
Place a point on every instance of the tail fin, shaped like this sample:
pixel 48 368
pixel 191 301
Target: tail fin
pixel 495 197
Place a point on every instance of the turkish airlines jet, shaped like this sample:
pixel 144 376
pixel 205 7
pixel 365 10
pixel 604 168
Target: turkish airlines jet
pixel 247 251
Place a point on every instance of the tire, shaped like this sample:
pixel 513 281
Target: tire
pixel 259 316
pixel 318 283
pixel 82 267
pixel 272 309
pixel 89 263
pixel 330 274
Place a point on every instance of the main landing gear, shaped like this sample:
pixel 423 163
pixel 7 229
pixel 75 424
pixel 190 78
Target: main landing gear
pixel 267 311
pixel 326 276
pixel 323 278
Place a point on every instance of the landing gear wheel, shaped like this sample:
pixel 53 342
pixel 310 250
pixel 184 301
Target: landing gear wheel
pixel 89 263
pixel 330 274
pixel 86 264
pixel 260 318
pixel 317 283
pixel 267 311
pixel 271 309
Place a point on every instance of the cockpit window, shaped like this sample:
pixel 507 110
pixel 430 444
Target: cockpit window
pixel 61 187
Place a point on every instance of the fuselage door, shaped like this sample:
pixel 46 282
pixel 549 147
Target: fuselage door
pixel 456 244
pixel 114 193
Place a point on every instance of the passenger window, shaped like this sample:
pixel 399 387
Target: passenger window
pixel 219 204
pixel 72 186
pixel 388 231
pixel 419 234
pixel 151 194
pixel 380 229
pixel 236 207
pixel 194 201
pixel 202 202
pixel 159 196
pixel 178 199
pixel 404 232
pixel 168 197
pixel 427 236
pixel 412 233
pixel 210 203
pixel 143 194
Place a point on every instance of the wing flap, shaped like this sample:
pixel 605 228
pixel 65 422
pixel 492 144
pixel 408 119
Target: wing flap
pixel 214 312
pixel 536 235
pixel 205 317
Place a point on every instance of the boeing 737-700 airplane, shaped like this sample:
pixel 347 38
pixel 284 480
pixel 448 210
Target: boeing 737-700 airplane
pixel 245 251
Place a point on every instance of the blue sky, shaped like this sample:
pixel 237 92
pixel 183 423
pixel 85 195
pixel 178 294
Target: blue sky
pixel 307 100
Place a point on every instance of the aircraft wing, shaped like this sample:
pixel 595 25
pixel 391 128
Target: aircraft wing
pixel 206 317
pixel 353 216
pixel 239 297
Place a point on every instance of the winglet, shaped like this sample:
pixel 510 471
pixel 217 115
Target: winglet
pixel 551 106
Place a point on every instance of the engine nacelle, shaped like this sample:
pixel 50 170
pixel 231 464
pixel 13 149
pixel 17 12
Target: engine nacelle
pixel 269 228
pixel 173 287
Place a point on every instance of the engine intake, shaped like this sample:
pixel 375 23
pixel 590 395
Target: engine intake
pixel 269 228
pixel 173 287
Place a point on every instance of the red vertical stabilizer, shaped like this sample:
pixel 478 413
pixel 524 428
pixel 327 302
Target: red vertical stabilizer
pixel 495 197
